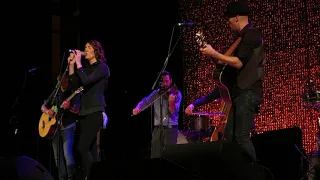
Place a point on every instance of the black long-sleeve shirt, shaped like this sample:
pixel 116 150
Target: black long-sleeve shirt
pixel 211 96
pixel 94 79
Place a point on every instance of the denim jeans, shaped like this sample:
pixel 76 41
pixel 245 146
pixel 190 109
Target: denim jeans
pixel 67 165
pixel 169 136
pixel 241 119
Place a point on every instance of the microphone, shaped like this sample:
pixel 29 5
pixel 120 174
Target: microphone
pixel 33 69
pixel 193 23
pixel 187 23
pixel 82 53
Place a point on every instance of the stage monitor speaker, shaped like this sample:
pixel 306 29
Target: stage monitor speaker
pixel 221 160
pixel 22 168
pixel 137 168
pixel 276 150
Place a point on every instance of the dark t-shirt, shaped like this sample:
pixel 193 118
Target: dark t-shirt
pixel 68 117
pixel 250 39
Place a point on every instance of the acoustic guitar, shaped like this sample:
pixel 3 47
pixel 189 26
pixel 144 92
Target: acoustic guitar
pixel 48 126
pixel 221 81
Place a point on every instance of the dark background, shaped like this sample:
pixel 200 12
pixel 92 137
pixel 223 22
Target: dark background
pixel 135 36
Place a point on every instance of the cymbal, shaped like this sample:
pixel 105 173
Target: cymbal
pixel 209 113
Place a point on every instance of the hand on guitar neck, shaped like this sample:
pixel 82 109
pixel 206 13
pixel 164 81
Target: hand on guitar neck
pixel 208 51
pixel 226 58
pixel 65 105
pixel 205 49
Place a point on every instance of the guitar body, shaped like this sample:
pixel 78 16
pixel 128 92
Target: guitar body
pixel 218 132
pixel 47 126
pixel 223 84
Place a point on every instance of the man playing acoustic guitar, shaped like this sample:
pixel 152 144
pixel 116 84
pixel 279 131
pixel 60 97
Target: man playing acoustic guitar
pixel 67 126
pixel 244 70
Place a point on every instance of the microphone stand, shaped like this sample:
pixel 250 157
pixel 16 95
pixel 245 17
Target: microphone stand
pixel 161 98
pixel 54 98
pixel 14 120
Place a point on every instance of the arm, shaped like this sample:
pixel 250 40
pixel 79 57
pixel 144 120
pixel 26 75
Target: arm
pixel 44 109
pixel 47 102
pixel 211 96
pixel 175 105
pixel 101 71
pixel 249 42
pixel 230 60
pixel 44 106
pixel 214 94
pixel 75 104
pixel 147 100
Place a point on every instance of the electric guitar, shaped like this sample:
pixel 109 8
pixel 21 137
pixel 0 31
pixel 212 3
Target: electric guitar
pixel 48 126
pixel 221 82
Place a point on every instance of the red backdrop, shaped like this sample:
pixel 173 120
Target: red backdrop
pixel 291 31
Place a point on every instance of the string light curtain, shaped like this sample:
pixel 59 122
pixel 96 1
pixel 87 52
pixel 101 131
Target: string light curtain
pixel 291 31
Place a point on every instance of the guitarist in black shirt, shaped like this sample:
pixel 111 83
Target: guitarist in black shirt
pixel 66 116
pixel 245 71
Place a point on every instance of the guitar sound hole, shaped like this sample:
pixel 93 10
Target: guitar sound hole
pixel 43 124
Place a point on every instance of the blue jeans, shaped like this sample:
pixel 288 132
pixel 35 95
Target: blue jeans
pixel 67 163
pixel 169 137
pixel 241 119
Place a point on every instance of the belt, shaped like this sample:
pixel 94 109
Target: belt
pixel 167 126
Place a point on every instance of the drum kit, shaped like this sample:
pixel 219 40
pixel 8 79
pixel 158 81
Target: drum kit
pixel 201 128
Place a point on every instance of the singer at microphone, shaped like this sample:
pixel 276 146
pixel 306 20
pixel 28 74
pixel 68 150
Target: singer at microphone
pixel 94 78
pixel 82 53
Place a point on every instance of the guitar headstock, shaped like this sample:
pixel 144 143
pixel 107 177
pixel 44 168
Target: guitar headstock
pixel 79 90
pixel 200 38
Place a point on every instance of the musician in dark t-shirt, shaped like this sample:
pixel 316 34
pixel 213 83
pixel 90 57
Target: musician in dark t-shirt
pixel 66 126
pixel 245 74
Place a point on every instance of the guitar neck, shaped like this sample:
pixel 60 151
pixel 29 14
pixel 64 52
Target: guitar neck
pixel 71 96
pixel 230 51
pixel 232 47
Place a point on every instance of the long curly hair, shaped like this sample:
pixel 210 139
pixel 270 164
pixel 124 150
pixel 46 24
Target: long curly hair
pixel 98 50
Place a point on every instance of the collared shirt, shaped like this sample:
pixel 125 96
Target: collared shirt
pixel 167 117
